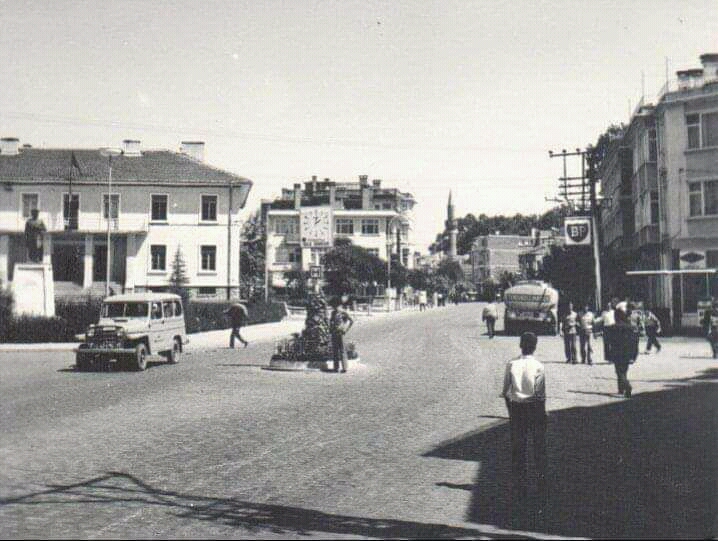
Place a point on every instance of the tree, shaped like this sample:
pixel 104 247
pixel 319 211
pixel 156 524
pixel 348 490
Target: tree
pixel 178 278
pixel 253 241
pixel 570 270
pixel 348 267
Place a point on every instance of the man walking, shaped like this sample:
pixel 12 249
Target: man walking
pixel 584 334
pixel 652 325
pixel 339 324
pixel 525 395
pixel 606 322
pixel 623 351
pixel 237 314
pixel 570 322
pixel 489 315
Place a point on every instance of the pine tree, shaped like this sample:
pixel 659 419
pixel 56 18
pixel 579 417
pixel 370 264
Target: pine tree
pixel 179 279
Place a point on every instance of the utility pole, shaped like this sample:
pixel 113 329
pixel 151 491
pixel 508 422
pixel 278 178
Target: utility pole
pixel 579 192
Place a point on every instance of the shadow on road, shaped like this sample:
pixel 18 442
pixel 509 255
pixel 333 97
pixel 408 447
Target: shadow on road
pixel 118 487
pixel 637 468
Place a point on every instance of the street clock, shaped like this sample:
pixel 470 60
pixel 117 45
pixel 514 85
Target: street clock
pixel 316 226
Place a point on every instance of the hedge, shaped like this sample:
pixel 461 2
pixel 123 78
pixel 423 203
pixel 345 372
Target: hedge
pixel 73 317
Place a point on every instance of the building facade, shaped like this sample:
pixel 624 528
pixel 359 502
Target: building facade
pixel 304 222
pixel 159 202
pixel 673 244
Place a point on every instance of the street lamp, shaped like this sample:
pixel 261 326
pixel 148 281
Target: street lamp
pixel 109 153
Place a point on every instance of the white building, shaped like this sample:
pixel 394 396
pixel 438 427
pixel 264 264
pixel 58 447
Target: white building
pixel 302 224
pixel 160 201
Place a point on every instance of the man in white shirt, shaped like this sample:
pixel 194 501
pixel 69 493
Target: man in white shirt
pixel 525 395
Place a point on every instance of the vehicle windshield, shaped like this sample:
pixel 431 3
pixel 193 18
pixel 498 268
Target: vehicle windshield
pixel 125 309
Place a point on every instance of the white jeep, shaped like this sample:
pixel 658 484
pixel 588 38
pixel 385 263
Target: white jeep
pixel 132 327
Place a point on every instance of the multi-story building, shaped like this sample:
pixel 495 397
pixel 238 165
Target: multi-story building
pixel 303 223
pixel 674 194
pixel 520 255
pixel 147 203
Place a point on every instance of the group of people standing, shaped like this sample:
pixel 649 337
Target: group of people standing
pixel 621 325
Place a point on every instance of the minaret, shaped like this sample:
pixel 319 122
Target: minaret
pixel 451 226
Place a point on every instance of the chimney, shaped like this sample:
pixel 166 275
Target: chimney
pixel 297 196
pixel 193 149
pixel 367 197
pixel 377 183
pixel 9 146
pixel 363 180
pixel 710 67
pixel 131 147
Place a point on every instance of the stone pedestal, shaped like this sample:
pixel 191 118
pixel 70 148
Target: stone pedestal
pixel 33 289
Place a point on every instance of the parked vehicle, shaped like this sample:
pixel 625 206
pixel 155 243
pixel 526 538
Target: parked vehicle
pixel 531 305
pixel 131 328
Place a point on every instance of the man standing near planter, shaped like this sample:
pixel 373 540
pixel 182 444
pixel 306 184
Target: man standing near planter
pixel 339 324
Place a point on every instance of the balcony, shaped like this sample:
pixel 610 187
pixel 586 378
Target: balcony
pixel 93 223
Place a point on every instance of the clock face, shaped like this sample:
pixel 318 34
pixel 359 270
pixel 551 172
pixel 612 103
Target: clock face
pixel 316 226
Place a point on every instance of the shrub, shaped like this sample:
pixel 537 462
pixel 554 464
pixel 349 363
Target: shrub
pixel 209 316
pixel 37 329
pixel 78 314
pixel 6 304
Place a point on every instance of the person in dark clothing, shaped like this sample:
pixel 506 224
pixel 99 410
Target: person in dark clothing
pixel 652 325
pixel 710 326
pixel 237 314
pixel 623 351
pixel 339 324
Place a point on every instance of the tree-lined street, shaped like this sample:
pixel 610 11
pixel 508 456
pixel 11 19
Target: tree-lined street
pixel 412 442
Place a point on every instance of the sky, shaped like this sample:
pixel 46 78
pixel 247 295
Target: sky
pixel 429 96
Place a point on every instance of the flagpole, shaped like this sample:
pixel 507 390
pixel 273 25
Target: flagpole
pixel 109 152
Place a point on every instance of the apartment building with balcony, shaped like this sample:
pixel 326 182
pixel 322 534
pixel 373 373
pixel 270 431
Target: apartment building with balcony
pixel 303 223
pixel 673 147
pixel 159 201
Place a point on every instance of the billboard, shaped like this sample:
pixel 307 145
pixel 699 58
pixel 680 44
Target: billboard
pixel 578 231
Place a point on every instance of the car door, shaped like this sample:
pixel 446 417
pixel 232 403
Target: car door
pixel 156 330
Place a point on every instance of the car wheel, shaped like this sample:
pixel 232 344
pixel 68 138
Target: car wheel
pixel 82 363
pixel 174 354
pixel 140 357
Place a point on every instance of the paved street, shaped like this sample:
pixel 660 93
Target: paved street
pixel 412 442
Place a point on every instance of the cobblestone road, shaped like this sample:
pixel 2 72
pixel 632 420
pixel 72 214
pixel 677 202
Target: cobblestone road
pixel 412 442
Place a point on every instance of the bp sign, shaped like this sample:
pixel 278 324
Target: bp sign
pixel 578 231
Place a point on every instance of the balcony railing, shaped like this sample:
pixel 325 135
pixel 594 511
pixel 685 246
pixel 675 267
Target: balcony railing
pixel 94 223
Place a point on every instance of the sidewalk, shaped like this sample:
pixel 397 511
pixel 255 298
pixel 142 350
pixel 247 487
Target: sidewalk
pixel 219 339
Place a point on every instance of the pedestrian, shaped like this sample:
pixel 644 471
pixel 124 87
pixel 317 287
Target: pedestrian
pixel 710 326
pixel 570 322
pixel 489 315
pixel 623 351
pixel 606 323
pixel 339 324
pixel 525 395
pixel 585 330
pixel 653 328
pixel 237 314
pixel 422 300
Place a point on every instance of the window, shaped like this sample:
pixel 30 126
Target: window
pixel 344 226
pixel 115 201
pixel 70 210
pixel 158 256
pixel 711 259
pixel 709 129
pixel 156 310
pixel 405 257
pixel 208 256
pixel 652 146
pixel 694 131
pixel 168 308
pixel 207 291
pixel 695 199
pixel 286 254
pixel 370 227
pixel 286 226
pixel 159 208
pixel 655 210
pixel 29 201
pixel 178 308
pixel 209 208
pixel 710 197
pixel 373 251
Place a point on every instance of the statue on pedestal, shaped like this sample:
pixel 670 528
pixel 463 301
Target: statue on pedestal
pixel 34 231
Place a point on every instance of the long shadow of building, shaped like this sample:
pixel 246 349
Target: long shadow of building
pixel 640 468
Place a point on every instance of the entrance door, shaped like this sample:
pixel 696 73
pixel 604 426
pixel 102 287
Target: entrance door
pixel 99 273
pixel 67 263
